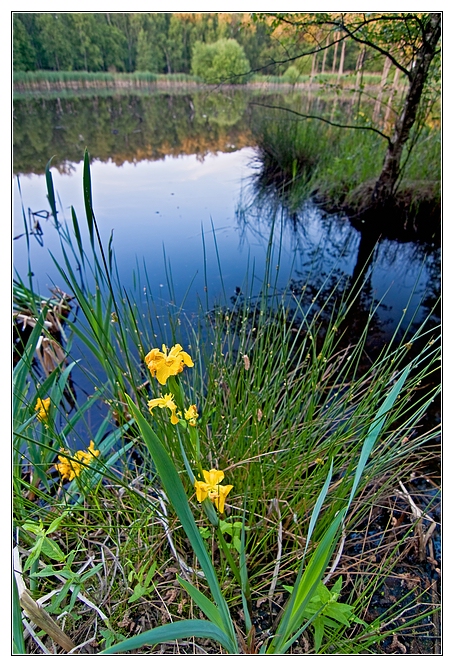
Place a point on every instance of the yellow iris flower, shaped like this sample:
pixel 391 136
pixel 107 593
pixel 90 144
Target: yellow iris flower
pixel 211 488
pixel 191 415
pixel 69 469
pixel 165 401
pixel 163 365
pixel 42 408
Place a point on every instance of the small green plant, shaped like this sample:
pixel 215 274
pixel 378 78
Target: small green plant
pixel 233 529
pixel 323 610
pixel 143 578
pixel 73 582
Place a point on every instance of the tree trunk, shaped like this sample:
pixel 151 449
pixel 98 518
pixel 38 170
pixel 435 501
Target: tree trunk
pixel 336 34
pixel 341 63
pixel 325 54
pixel 389 103
pixel 385 185
pixel 384 78
pixel 359 76
pixel 314 66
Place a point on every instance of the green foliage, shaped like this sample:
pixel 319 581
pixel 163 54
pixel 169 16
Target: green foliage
pixel 23 51
pixel 160 42
pixel 223 61
pixel 73 582
pixel 324 610
pixel 292 74
pixel 43 543
pixel 148 59
pixel 144 584
pixel 233 529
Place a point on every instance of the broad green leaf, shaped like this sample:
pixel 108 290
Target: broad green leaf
pixel 139 590
pixel 209 609
pixel 34 528
pixel 51 549
pixel 172 631
pixel 35 552
pixel 319 628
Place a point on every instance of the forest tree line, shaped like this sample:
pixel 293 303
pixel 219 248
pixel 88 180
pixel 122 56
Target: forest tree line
pixel 163 43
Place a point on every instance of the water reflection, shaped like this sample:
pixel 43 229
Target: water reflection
pixel 168 168
pixel 399 282
pixel 126 128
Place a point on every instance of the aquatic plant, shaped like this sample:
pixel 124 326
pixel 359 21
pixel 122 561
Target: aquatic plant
pixel 264 392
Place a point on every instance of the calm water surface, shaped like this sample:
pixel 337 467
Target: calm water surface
pixel 201 189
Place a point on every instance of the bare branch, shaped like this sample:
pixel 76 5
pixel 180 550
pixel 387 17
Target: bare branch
pixel 324 120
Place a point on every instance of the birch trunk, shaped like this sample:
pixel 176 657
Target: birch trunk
pixel 385 185
pixel 384 77
pixel 325 54
pixel 342 59
pixel 333 69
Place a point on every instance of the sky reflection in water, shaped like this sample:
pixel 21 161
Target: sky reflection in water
pixel 165 205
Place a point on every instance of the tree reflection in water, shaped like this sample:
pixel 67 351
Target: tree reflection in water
pixel 382 283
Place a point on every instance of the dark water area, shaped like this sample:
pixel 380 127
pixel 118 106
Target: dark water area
pixel 173 177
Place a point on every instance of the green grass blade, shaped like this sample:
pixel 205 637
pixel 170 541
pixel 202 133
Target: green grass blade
pixel 209 609
pixel 172 631
pixel 245 589
pixel 77 235
pixel 18 636
pixel 50 191
pixel 318 507
pixel 87 196
pixel 375 429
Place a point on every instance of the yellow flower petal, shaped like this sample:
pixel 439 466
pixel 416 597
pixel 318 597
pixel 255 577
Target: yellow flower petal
pixel 213 477
pixel 211 488
pixel 71 468
pixel 220 500
pixel 42 407
pixel 191 415
pixel 95 452
pixel 201 490
pixel 165 401
pixel 163 365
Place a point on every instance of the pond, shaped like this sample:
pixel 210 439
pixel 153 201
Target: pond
pixel 173 177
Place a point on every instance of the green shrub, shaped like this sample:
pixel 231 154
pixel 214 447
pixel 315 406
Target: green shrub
pixel 292 75
pixel 223 61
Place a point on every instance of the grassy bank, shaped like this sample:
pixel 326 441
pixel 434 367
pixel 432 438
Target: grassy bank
pixel 219 506
pixel 339 160
pixel 48 80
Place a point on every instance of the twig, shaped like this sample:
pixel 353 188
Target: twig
pixel 43 620
pixel 164 522
pixel 275 506
pixel 338 556
pixel 35 637
pixel 418 515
